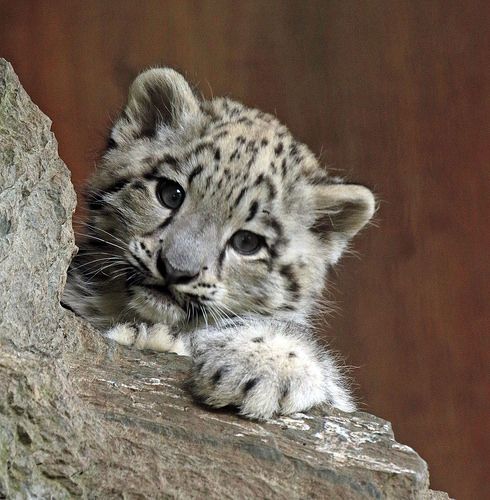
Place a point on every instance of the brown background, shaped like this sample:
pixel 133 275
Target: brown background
pixel 394 93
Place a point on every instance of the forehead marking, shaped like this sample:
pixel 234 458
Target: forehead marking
pixel 268 182
pixel 195 173
pixel 283 168
pixel 235 155
pixel 221 134
pixel 252 211
pixel 240 196
pixel 201 147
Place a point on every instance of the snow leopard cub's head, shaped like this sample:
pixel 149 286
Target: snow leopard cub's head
pixel 216 208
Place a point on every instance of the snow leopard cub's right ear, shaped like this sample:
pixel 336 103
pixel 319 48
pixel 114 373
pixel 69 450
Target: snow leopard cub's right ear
pixel 159 100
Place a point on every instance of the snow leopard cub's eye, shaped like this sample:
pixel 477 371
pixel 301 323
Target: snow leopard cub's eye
pixel 246 242
pixel 170 194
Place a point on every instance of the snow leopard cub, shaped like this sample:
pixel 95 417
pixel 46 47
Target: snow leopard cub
pixel 210 233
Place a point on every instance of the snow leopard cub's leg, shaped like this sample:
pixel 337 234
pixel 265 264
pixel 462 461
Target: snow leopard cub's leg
pixel 142 336
pixel 265 368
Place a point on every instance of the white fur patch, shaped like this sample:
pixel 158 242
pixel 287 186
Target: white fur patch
pixel 154 337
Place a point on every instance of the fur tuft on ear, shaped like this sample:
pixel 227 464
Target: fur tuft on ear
pixel 157 97
pixel 342 208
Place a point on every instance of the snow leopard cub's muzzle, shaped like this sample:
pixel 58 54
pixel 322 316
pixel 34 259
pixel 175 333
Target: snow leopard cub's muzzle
pixel 179 262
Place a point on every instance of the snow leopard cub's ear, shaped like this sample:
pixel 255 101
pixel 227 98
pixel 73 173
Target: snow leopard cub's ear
pixel 159 99
pixel 342 209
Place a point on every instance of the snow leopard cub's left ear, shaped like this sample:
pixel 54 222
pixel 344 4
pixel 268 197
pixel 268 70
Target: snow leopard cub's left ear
pixel 159 99
pixel 342 209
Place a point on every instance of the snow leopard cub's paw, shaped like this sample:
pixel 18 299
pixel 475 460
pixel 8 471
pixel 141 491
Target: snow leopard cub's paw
pixel 265 370
pixel 142 336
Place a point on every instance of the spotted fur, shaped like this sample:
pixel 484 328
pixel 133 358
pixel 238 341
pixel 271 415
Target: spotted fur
pixel 171 279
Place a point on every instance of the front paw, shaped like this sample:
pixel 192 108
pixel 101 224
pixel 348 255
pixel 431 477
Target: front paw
pixel 266 371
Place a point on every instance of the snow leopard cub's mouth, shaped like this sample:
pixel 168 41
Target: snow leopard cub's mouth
pixel 163 295
pixel 159 292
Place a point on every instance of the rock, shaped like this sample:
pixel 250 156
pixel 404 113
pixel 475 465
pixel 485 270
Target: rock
pixel 80 417
pixel 36 239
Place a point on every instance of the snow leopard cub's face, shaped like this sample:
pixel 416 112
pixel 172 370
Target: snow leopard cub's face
pixel 215 208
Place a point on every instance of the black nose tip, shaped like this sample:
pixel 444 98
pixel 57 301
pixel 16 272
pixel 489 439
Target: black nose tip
pixel 173 275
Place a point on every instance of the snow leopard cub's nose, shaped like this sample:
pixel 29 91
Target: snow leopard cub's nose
pixel 173 275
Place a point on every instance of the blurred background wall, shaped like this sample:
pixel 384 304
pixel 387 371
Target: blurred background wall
pixel 393 93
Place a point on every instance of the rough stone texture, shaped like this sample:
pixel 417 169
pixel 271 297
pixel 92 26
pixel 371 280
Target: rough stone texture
pixel 80 417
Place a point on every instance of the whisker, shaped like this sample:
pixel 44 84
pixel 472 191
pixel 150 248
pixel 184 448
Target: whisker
pixel 96 228
pixel 100 239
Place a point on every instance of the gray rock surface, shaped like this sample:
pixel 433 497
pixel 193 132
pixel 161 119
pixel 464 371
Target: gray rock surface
pixel 80 417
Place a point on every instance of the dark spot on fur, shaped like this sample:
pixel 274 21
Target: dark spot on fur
pixel 111 144
pixel 293 149
pixel 283 168
pixel 251 147
pixel 138 185
pixel 240 196
pixel 251 161
pixel 161 226
pixel 217 376
pixel 250 384
pixel 141 263
pixel 279 149
pixel 271 188
pixel 195 173
pixel 287 273
pixel 170 160
pixel 235 155
pixel 258 340
pixel 261 179
pixel 285 390
pixel 201 147
pixel 252 211
pixel 273 251
pixel 217 154
pixel 221 134
pixel 152 174
pixel 221 258
pixel 275 225
pixel 292 355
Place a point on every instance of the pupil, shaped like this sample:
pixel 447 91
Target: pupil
pixel 247 241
